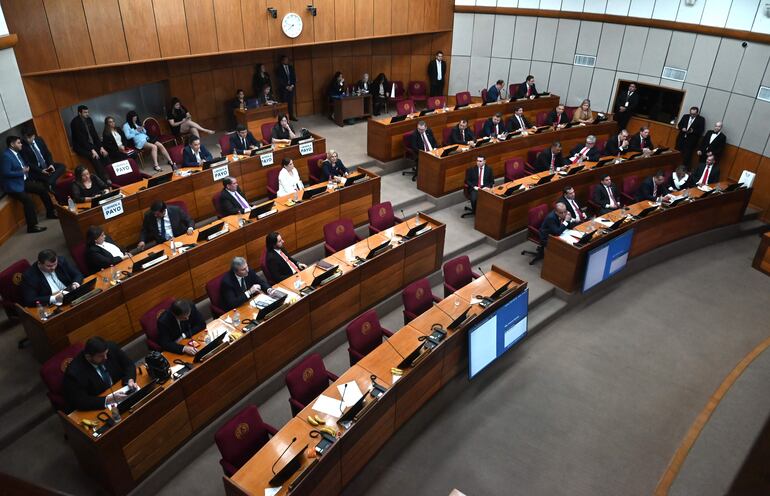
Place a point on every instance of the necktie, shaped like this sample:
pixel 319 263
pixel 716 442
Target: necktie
pixel 286 68
pixel 481 174
pixel 578 212
pixel 184 327
pixel 243 142
pixel 243 284
pixel 529 90
pixel 553 163
pixel 642 143
pixel 705 178
pixel 198 157
pixel 711 140
pixel 425 142
pixel 463 131
pixel 497 130
pixel 612 198
pixel 654 189
pixel 240 200
pixel 581 153
pixel 21 164
pixel 292 265
pixel 102 370
pixel 438 70
pixel 39 156
pixel 162 222
pixel 521 122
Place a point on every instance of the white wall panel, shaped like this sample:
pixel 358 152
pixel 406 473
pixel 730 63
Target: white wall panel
pixel 483 29
pixel 658 41
pixel 726 64
pixel 525 37
pixel 754 136
pixel 579 85
pixel 588 39
pixel 618 7
pixel 458 75
pixel 742 13
pixel 715 13
pixel 634 39
pixel 465 2
pixel 680 51
pixel 462 34
pixel 507 3
pixel 601 90
pixel 753 65
pixel 3 24
pixel 645 78
pixel 529 4
pixel 715 103
pixel 486 3
pixel 677 85
pixel 761 21
pixel 566 40
pixel 498 69
pixel 519 71
pixel 690 13
pixel 693 97
pixel 545 38
pixel 595 6
pixel 572 5
pixel 665 10
pixel 642 8
pixel 702 61
pixel 609 46
pixel 504 33
pixel 478 75
pixel 559 80
pixel 550 4
pixel 542 73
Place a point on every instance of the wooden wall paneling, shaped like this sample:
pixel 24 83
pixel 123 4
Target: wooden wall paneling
pixel 308 34
pixel 106 30
pixel 229 25
pixel 364 20
pixel 69 31
pixel 443 42
pixel 401 66
pixel 344 64
pixel 277 38
pixel 35 50
pixel 39 94
pixel 726 161
pixel 139 74
pixel 760 198
pixel 11 218
pixel 744 160
pixel 172 27
pixel 242 76
pixel 323 22
pixel 446 14
pixel 344 19
pixel 381 64
pixel 51 128
pixel 432 15
pixel 303 68
pixel 383 18
pixel 65 91
pixel 182 88
pixel 322 74
pixel 382 46
pixel 255 26
pixel 401 46
pixel 224 92
pixel 421 44
pixel 139 28
pixel 399 21
pixel 418 70
pixel 203 88
pixel 201 27
pixel 416 16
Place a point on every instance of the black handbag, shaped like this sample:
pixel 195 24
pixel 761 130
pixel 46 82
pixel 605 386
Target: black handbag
pixel 158 366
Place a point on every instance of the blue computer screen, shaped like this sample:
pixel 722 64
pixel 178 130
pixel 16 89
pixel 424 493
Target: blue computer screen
pixel 489 338
pixel 606 260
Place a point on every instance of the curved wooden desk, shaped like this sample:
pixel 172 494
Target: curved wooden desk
pixel 762 258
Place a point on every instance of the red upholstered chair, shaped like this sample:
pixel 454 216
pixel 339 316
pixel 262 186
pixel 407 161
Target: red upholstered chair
pixel 410 153
pixel 436 102
pixel 381 217
pixel 224 144
pixel 178 203
pixel 404 107
pixel 78 253
pixel 446 133
pixel 307 380
pixel 594 206
pixel 484 93
pixel 399 94
pixel 515 168
pixel 215 203
pixel 418 91
pixel 338 235
pixel 213 291
pixel 314 167
pixel 457 273
pixel 176 153
pixel 263 263
pixel 134 176
pixel 364 335
pixel 241 437
pixel 532 154
pixel 149 323
pixel 152 126
pixel 629 188
pixel 10 287
pixel 267 132
pixel 478 127
pixel 417 298
pixel 535 218
pixel 570 111
pixel 463 98
pixel 601 145
pixel 512 89
pixel 541 118
pixel 63 188
pixel 272 181
pixel 52 374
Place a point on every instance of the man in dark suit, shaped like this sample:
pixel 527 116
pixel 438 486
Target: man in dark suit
pixel 626 105
pixel 714 141
pixel 494 126
pixel 691 128
pixel 461 135
pixel 286 82
pixel 618 144
pixel 161 223
pixel 569 199
pixel 92 371
pixel 707 172
pixel 606 195
pixel 17 182
pixel 641 142
pixel 41 165
pixel 279 264
pixel 527 89
pixel 519 122
pixel 437 74
pixel 241 284
pixel 652 187
pixel 87 144
pixel 587 152
pixel 550 159
pixel 478 177
pixel 241 141
pixel 45 280
pixel 232 201
pixel 494 91
pixel 558 118
pixel 422 138
pixel 195 153
pixel 364 85
pixel 555 223
pixel 181 320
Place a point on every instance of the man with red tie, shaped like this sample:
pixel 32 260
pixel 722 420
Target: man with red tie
pixel 279 264
pixel 587 152
pixel 422 138
pixel 478 177
pixel 606 195
pixel 641 142
pixel 527 89
pixel 570 201
pixel 706 173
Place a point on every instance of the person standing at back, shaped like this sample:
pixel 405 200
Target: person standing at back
pixel 287 82
pixel 437 74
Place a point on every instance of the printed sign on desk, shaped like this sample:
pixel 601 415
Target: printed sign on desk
pixel 219 173
pixel 306 148
pixel 112 209
pixel 121 168
pixel 267 159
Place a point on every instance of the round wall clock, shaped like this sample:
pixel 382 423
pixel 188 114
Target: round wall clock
pixel 291 25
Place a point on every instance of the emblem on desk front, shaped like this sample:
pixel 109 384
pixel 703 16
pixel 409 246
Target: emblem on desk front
pixel 340 229
pixel 366 328
pixel 307 375
pixel 241 430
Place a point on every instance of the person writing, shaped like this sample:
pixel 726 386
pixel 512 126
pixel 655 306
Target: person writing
pixel 288 179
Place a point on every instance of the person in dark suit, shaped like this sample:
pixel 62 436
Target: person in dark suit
pixel 98 367
pixel 437 74
pixel 287 82
pixel 618 144
pixel 641 142
pixel 587 152
pixel 626 105
pixel 232 201
pixel 494 91
pixel 558 118
pixel 16 181
pixel 606 195
pixel 364 85
pixel 45 280
pixel 555 223
pixel 652 187
pixel 242 140
pixel 569 199
pixel 380 92
pixel 680 179
pixel 527 89
pixel 181 320
pixel 707 172
pixel 494 126
pixel 714 141
pixel 336 86
pixel 195 153
pixel 550 159
pixel 282 129
pixel 478 177
pixel 86 142
pixel 332 167
pixel 239 102
pixel 279 264
pixel 461 135
pixel 519 122
pixel 101 250
pixel 161 223
pixel 261 78
pixel 691 128
pixel 241 284
pixel 266 97
pixel 422 138
pixel 39 159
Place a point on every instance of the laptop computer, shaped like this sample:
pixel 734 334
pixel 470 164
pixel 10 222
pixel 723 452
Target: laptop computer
pixel 101 199
pixel 206 350
pixel 267 310
pixel 354 409
pixel 458 107
pixel 159 179
pixel 575 169
pixel 416 229
pixel 353 178
pixel 311 192
pixel 513 189
pixel 616 224
pixel 585 239
pixel 204 234
pixel 147 261
pixel 208 164
pixel 398 118
pixel 288 470
pixel 544 180
pixel 373 252
pixel 448 150
pixel 261 209
pixel 80 291
pixel 426 112
pixel 324 276
pixel 499 291
pixel 409 360
pixel 647 211
pixel 732 187
pixel 135 397
pixel 660 150
pixel 261 149
pixel 459 320
pixel 604 161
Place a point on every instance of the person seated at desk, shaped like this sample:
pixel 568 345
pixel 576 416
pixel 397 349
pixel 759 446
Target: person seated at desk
pixel 94 370
pixel 494 127
pixel 161 223
pixel 363 85
pixel 557 118
pixel 180 321
pixel 680 179
pixel 113 140
pixel 583 114
pixel 556 222
pixel 241 284
pixel 282 131
pixel 195 153
pixel 706 172
pixel 266 97
pixel 332 167
pixel 86 187
pixel 569 199
pixel 422 138
pixel 606 195
pixel 239 102
pixel 181 121
pixel 587 152
pixel 134 131
pixel 652 187
pixel 261 78
pixel 16 181
pixel 280 265
pixel 618 144
pixel 641 142
pixel 527 89
pixel 242 140
pixel 101 250
pixel 478 177
pixel 288 179
pixel 550 160
pixel 461 135
pixel 232 201
pixel 336 86
pixel 42 167
pixel 494 92
pixel 519 122
pixel 45 280
pixel 380 92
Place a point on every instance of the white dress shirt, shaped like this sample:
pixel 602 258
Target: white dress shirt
pixel 167 223
pixel 438 70
pixel 54 283
pixel 111 248
pixel 289 182
pixel 118 140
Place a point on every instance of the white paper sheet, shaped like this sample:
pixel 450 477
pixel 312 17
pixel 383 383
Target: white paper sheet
pixel 352 393
pixel 270 491
pixel 329 406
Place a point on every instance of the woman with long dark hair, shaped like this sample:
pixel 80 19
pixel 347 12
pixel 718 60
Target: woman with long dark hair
pixel 142 140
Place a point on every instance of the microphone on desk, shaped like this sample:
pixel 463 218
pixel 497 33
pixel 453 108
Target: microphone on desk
pixel 284 452
pixel 487 279
pixel 394 348
pixel 342 400
pixel 403 216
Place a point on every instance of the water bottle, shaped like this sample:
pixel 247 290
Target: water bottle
pixel 113 273
pixel 71 204
pixel 235 156
pixel 41 311
pixel 236 318
pixel 173 246
pixel 114 412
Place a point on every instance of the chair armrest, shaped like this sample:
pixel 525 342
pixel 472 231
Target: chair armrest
pixel 354 355
pixel 437 299
pixel 228 467
pixel 296 405
pixel 332 377
pixel 409 316
pixel 386 332
pixel 629 199
pixel 329 249
pixel 533 234
pixel 373 230
pixel 270 429
pixel 475 275
pixel 448 289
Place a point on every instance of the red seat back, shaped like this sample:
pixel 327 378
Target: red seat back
pixel 409 151
pixel 267 132
pixel 178 203
pixel 570 111
pixel 214 292
pixel 265 271
pixel 417 298
pixel 176 153
pixel 78 253
pixel 512 89
pixel 381 216
pixel 478 127
pixel 152 126
pixel 364 334
pixel 339 234
pixel 215 202
pixel 532 154
pixel 224 144
pixel 484 93
pixel 514 169
pixel 129 178
pixel 272 181
pixel 436 102
pixel 446 133
pixel 463 98
pixel 536 214
pixel 314 167
pixel 240 438
pixel 404 107
pixel 63 188
pixel 52 373
pixel 457 273
pixel 600 146
pixel 541 118
pixel 10 286
pixel 630 185
pixel 149 323
pixel 417 90
pixel 307 380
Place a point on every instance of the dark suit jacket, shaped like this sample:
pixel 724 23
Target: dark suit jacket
pixel 571 210
pixel 328 171
pixel 472 177
pixel 237 144
pixel 713 174
pixel 169 330
pixel 433 71
pixel 188 157
pixel 279 269
pixel 563 119
pixel 29 154
pixel 283 80
pixel 229 205
pixel 489 128
pixel 180 222
pixel 263 99
pixel 230 292
pixel 80 130
pixel 687 183
pixel 335 89
pixel 259 81
pixel 591 156
pixel 98 258
pixel 280 133
pixel 456 137
pixel 601 197
pixel 647 190
pixel 417 142
pixel 12 172
pixel 82 384
pixel 364 87
pixel 521 92
pixel 716 147
pixel 493 94
pixel 35 288
pixel 635 143
pixel 513 123
pixel 551 226
pixel 613 148
pixel 543 161
pixel 109 144
pixel 696 131
pixel 633 101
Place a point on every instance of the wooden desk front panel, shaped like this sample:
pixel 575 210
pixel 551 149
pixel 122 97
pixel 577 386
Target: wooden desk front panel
pixel 418 386
pixel 356 200
pixel 281 339
pixel 335 303
pixel 424 254
pixel 359 445
pixel 212 259
pixel 382 276
pixel 312 216
pixel 124 228
pixel 762 258
pixel 144 290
